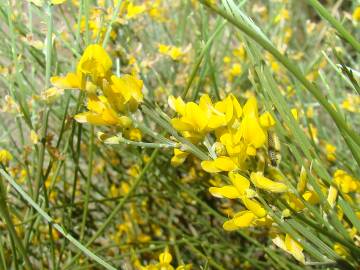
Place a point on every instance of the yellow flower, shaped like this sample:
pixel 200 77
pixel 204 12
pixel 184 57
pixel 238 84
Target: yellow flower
pixel 242 219
pixel 332 196
pixel 5 156
pixel 251 107
pixel 226 59
pixel 134 10
pixel 220 164
pixel 254 206
pixel 224 112
pixel 235 70
pixel 330 152
pixel 114 191
pixel 155 10
pixel 240 52
pixel 283 15
pixel 266 120
pixel 245 219
pixel 291 246
pixel 238 189
pixel 175 53
pixel 295 113
pixel 252 132
pixel 198 119
pixel 194 118
pixel 235 147
pixel 133 134
pixel 352 102
pixel 70 81
pixel 177 104
pixel 294 202
pixel 125 92
pixel 260 181
pixel 356 14
pixel 311 197
pixel 101 113
pixel 179 157
pixel 34 137
pixel 287 35
pixel 345 182
pixel 338 248
pixel 165 257
pixel 95 62
pixel 164 49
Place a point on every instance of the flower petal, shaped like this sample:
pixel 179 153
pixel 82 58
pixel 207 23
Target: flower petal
pixel 254 207
pixel 262 182
pixel 229 192
pixel 294 248
pixel 244 219
pixel 239 181
pixel 225 163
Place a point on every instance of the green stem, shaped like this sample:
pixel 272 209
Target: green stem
pixel 200 58
pixel 88 182
pixel 145 144
pixel 45 119
pixel 4 212
pixel 120 205
pixel 87 28
pixel 109 27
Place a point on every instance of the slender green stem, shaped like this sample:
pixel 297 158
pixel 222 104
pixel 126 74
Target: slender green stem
pixel 88 182
pixel 46 113
pixel 4 212
pixel 144 144
pixel 87 24
pixel 2 255
pixel 109 27
pixel 200 58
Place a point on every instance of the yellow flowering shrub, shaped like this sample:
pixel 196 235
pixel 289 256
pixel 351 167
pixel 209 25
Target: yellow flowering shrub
pixel 163 135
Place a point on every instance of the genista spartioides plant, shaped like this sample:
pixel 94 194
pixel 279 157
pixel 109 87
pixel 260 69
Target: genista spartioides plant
pixel 178 135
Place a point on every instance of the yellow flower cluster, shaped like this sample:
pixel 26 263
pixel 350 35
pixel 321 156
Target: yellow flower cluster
pixel 128 11
pixel 240 133
pixel 110 97
pixel 345 182
pixel 164 263
pixel 175 53
pixel 236 128
pixel 5 156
